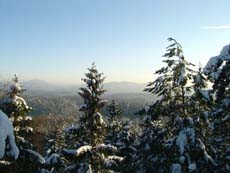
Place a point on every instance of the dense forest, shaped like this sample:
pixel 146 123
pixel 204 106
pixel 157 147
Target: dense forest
pixel 184 128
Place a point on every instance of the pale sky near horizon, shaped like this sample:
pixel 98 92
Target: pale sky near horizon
pixel 56 40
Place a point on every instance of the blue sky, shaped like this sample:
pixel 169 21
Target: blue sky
pixel 56 40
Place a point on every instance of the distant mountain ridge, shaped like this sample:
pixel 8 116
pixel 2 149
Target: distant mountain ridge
pixel 37 87
pixel 47 98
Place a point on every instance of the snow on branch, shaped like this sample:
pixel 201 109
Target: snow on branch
pixel 214 65
pixel 35 156
pixel 104 147
pixel 83 150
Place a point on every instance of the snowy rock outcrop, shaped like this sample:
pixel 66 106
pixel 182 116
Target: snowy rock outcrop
pixel 6 132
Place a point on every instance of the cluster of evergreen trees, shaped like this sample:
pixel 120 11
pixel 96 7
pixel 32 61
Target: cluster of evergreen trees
pixel 187 129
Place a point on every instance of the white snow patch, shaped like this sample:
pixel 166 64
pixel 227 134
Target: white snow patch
pixel 226 118
pixel 192 167
pixel 83 107
pixel 28 129
pixel 227 167
pixel 182 159
pixel 182 74
pixel 98 119
pixel 19 118
pixel 83 150
pixel 18 101
pixel 201 144
pixel 207 157
pixel 102 103
pixel 52 159
pixel 213 67
pixel 35 156
pixel 176 168
pixel 6 131
pixel 28 118
pixel 182 139
pixel 116 158
pixel 15 87
pixel 106 147
pixel 147 109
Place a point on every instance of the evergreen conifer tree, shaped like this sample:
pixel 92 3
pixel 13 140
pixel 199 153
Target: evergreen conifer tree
pixel 202 103
pixel 91 154
pixel 121 135
pixel 218 71
pixel 15 106
pixel 55 142
pixel 173 129
pixel 114 111
pixel 91 118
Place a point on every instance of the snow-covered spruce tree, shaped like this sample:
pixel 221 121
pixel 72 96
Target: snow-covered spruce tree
pixel 91 117
pixel 17 110
pixel 55 142
pixel 175 136
pixel 190 133
pixel 114 122
pixel 150 151
pixel 114 111
pixel 218 71
pixel 121 135
pixel 91 154
pixel 201 104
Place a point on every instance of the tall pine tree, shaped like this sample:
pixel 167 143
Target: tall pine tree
pixel 92 154
pixel 218 71
pixel 173 131
pixel 15 106
pixel 121 134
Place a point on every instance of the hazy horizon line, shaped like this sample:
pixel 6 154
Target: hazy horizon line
pixel 68 83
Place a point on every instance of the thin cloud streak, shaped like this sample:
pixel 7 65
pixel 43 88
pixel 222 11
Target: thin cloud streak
pixel 216 27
